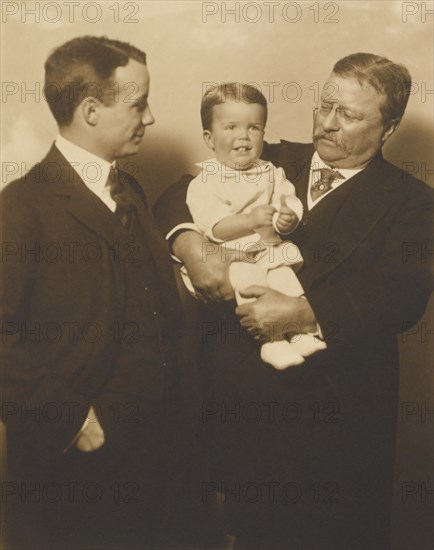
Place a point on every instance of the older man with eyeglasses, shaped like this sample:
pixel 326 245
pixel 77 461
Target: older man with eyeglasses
pixel 318 472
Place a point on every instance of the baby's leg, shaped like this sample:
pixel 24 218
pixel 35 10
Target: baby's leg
pixel 244 274
pixel 286 281
pixel 280 354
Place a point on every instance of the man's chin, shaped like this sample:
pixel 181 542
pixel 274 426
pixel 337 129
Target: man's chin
pixel 128 151
pixel 328 150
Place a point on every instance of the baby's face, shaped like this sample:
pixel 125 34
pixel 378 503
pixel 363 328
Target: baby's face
pixel 237 133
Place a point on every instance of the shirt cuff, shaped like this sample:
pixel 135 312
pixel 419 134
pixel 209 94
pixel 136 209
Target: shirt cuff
pixel 318 333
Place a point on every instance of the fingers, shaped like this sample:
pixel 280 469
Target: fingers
pixel 253 291
pixel 284 208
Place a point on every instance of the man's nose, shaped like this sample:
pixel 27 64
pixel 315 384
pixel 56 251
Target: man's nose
pixel 330 122
pixel 147 117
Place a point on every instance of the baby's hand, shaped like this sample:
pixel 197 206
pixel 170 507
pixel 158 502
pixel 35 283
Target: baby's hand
pixel 261 215
pixel 287 219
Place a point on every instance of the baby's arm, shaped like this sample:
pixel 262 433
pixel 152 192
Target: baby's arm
pixel 287 220
pixel 238 225
pixel 286 202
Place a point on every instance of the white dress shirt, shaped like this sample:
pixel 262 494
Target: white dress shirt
pixel 92 169
pixel 316 164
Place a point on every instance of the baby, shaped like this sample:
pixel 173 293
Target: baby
pixel 247 204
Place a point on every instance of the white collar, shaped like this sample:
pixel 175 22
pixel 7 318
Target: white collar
pixel 318 163
pixel 93 170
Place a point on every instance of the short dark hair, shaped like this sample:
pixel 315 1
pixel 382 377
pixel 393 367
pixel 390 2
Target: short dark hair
pixel 231 91
pixel 388 78
pixel 81 68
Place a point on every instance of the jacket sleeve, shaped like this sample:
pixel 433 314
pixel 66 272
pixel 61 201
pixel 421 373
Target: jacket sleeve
pixel 391 294
pixel 37 407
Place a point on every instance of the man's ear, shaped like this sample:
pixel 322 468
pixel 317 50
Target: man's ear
pixel 207 138
pixel 389 129
pixel 89 109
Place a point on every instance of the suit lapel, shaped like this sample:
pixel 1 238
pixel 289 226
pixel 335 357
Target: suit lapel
pixel 83 204
pixel 296 163
pixel 303 183
pixel 348 214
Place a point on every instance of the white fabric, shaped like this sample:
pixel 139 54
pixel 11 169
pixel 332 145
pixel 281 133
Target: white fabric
pixel 93 170
pixel 219 191
pixel 280 354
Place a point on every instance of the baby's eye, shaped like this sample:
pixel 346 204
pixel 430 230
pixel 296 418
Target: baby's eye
pixel 255 127
pixel 230 126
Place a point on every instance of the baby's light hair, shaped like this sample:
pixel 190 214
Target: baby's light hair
pixel 231 91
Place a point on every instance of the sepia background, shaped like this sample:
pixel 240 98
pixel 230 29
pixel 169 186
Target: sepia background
pixel 287 49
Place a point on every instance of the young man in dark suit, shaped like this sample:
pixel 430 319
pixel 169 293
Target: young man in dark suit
pixel 90 318
pixel 313 469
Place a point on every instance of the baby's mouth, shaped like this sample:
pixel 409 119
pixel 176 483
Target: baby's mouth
pixel 242 149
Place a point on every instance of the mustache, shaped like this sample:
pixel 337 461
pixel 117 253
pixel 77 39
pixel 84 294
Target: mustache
pixel 323 135
pixel 328 137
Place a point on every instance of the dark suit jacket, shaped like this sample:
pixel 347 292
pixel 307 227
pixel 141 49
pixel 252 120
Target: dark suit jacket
pixel 63 273
pixel 366 276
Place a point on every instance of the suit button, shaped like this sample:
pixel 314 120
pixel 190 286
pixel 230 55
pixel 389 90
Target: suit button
pixel 146 288
pixel 305 222
pixel 155 313
pixel 164 364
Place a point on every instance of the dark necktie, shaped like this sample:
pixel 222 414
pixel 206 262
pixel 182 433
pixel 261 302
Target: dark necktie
pixel 324 184
pixel 124 203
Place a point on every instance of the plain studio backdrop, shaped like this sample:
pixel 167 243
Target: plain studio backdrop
pixel 286 49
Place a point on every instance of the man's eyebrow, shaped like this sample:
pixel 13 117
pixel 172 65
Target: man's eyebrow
pixel 143 97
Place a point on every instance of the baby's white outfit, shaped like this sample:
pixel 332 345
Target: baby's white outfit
pixel 220 191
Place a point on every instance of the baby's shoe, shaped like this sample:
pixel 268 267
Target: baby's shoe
pixel 280 355
pixel 307 344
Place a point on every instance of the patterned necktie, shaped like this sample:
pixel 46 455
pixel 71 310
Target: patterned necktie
pixel 124 203
pixel 324 184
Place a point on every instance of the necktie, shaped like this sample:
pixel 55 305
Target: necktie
pixel 124 203
pixel 324 184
